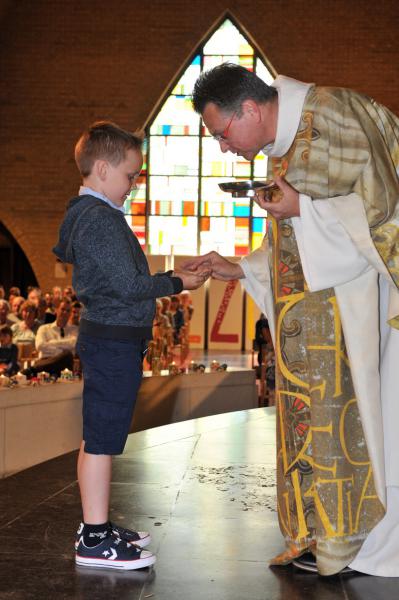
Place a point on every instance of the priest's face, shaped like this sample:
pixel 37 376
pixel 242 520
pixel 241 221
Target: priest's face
pixel 243 132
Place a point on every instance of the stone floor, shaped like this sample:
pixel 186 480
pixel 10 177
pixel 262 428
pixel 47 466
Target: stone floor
pixel 206 491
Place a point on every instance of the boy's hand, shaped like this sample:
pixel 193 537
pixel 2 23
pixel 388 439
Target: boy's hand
pixel 193 280
pixel 287 204
pixel 221 268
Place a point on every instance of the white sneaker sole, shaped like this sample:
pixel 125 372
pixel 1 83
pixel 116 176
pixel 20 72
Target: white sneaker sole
pixel 127 565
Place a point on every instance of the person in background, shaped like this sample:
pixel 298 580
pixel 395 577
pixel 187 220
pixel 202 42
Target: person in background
pixel 43 316
pixel 8 352
pixel 55 342
pixel 16 304
pixel 24 332
pixel 68 293
pixel 166 307
pixel 14 291
pixel 186 304
pixel 56 296
pixel 74 319
pixel 263 337
pixel 49 300
pixel 34 295
pixel 177 318
pixel 4 312
pixel 2 292
pixel 161 326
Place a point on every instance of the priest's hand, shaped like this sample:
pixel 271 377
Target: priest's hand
pixel 193 279
pixel 221 268
pixel 287 204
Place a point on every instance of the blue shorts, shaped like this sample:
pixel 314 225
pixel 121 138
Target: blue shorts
pixel 112 373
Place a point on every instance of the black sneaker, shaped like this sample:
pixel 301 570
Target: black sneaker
pixel 140 538
pixel 113 553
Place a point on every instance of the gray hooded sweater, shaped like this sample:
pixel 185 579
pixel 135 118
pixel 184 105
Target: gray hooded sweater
pixel 111 276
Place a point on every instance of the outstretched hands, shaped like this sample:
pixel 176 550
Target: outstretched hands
pixel 287 204
pixel 219 267
pixel 193 279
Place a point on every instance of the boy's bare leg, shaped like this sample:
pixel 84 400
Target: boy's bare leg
pixel 94 477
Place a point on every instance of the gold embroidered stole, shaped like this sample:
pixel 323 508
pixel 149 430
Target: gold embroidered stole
pixel 325 487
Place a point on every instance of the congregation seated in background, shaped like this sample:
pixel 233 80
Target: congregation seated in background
pixel 45 328
pixel 170 332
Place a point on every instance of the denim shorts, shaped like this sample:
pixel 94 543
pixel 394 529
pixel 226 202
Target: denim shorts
pixel 112 373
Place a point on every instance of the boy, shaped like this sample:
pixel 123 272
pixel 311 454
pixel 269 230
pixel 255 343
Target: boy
pixel 112 280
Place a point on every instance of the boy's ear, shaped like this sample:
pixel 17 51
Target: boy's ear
pixel 100 168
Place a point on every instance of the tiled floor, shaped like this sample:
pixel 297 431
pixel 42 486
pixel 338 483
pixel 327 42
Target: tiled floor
pixel 206 491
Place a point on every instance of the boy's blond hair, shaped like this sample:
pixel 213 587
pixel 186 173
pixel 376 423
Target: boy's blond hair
pixel 107 141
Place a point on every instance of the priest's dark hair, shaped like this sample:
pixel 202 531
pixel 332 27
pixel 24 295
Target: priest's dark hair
pixel 228 86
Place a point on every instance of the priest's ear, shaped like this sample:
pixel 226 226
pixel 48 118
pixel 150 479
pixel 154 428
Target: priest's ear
pixel 251 109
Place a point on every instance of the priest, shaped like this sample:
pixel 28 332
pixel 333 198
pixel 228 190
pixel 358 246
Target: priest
pixel 327 278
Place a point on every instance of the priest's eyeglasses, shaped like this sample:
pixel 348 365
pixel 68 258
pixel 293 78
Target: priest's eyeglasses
pixel 222 137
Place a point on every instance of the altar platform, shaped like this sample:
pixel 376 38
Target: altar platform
pixel 40 422
pixel 204 488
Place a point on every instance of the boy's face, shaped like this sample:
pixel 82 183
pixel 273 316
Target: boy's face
pixel 120 180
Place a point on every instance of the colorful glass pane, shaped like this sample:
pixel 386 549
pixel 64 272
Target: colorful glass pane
pixel 214 61
pixel 228 39
pixel 173 195
pixel 216 164
pixel 186 83
pixel 171 155
pixel 176 117
pixel 260 166
pixel 228 236
pixel 214 202
pixel 173 235
pixel 258 230
pixel 257 211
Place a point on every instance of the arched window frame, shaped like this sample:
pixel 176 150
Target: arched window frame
pixel 142 202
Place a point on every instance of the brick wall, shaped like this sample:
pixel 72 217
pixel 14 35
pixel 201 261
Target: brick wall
pixel 64 64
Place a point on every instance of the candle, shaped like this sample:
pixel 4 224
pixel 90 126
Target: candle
pixel 66 374
pixel 21 378
pixel 4 380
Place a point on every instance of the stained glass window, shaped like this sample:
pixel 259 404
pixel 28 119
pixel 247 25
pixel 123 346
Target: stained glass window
pixel 179 208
